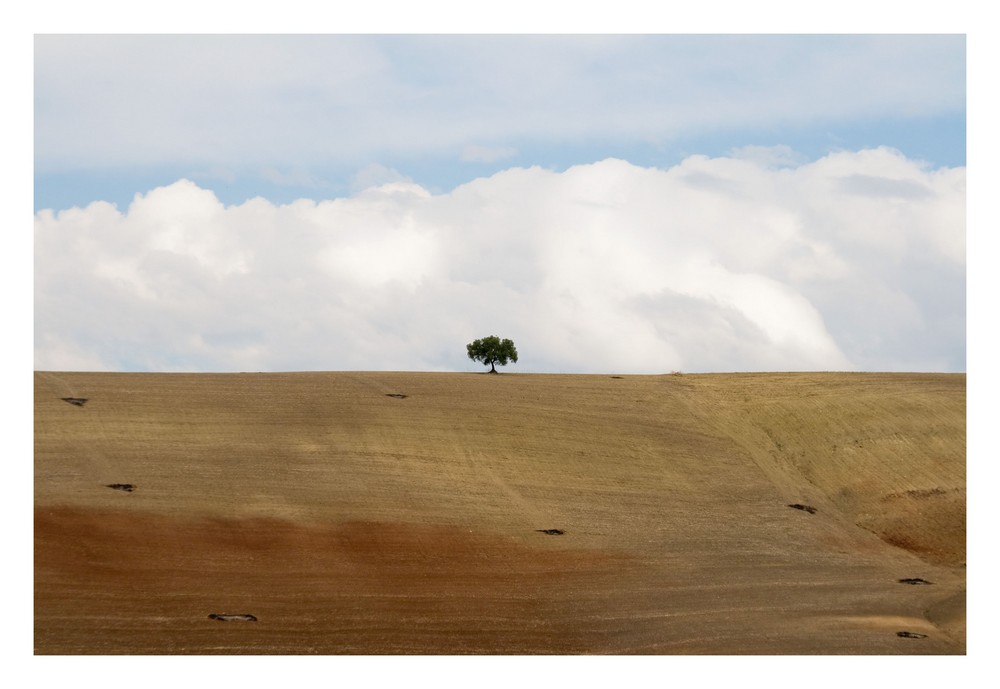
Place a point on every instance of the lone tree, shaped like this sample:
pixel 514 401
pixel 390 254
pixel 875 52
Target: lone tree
pixel 492 350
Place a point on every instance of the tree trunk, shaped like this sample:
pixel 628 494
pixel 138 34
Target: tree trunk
pixel 493 368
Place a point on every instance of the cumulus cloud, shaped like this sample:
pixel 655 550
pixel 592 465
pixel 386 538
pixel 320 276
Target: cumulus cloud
pixel 854 261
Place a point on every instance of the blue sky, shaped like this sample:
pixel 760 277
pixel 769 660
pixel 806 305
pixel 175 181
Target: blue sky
pixel 635 203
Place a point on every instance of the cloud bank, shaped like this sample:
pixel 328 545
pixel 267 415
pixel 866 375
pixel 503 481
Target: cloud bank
pixel 749 262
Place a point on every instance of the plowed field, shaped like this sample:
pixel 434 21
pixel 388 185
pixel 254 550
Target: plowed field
pixel 405 513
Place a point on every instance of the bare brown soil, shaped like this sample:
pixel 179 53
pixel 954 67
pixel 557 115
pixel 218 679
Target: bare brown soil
pixel 346 521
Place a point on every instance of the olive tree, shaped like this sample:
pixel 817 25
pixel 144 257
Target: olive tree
pixel 491 351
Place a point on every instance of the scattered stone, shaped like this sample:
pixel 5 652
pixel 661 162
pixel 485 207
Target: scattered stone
pixel 127 487
pixel 805 508
pixel 918 494
pixel 925 493
pixel 397 395
pixel 232 618
pixel 915 581
pixel 911 635
pixel 551 532
pixel 78 401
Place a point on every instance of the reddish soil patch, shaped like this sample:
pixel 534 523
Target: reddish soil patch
pixel 148 583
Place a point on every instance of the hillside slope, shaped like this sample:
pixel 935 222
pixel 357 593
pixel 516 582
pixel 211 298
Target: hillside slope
pixel 406 513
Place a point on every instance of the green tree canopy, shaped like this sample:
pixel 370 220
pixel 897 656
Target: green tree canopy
pixel 491 351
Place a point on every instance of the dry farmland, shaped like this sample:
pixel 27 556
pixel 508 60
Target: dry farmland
pixel 456 513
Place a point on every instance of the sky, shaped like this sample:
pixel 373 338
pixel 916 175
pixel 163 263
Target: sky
pixel 612 203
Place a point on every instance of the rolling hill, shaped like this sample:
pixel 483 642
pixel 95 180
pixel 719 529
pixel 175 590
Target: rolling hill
pixel 456 513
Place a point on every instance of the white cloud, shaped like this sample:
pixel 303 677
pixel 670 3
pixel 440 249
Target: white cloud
pixel 853 261
pixel 305 100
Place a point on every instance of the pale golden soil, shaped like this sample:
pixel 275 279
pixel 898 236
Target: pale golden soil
pixel 349 521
